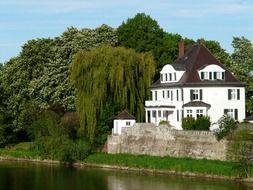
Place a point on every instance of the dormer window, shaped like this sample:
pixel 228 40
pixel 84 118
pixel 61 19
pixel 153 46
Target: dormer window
pixel 212 75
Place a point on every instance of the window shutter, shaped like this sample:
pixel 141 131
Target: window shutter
pixel 215 75
pixel 191 95
pixel 236 114
pixel 202 75
pixel 223 75
pixel 229 94
pixel 238 94
pixel 200 94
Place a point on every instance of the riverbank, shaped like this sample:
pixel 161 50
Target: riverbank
pixel 141 164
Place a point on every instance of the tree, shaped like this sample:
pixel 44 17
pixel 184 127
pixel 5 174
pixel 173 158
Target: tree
pixel 227 125
pixel 143 34
pixel 242 66
pixel 39 76
pixel 110 74
pixel 240 151
pixel 218 52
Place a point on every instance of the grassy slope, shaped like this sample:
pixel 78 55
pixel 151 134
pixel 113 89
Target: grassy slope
pixel 210 167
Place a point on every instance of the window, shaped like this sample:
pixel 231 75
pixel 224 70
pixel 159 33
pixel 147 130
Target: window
pixel 161 76
pixel 177 115
pixel 155 95
pixel 166 77
pixel 168 94
pixel 177 96
pixel 159 113
pixel 196 94
pixel 128 123
pixel 189 113
pixel 170 76
pixel 233 94
pixel 153 113
pixel 232 113
pixel 199 113
pixel 175 76
pixel 163 94
pixel 204 75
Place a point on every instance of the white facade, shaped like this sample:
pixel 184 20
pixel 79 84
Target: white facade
pixel 118 124
pixel 170 107
pixel 194 86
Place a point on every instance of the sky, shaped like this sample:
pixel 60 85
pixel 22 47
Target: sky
pixel 220 20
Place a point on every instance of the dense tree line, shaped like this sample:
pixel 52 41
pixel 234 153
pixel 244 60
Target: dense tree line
pixel 105 78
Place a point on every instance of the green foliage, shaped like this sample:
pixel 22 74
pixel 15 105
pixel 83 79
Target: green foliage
pixel 47 124
pixel 200 166
pixel 227 125
pixel 240 151
pixel 110 74
pixel 189 123
pixel 70 124
pixel 201 123
pixel 62 148
pixel 242 66
pixel 39 76
pixel 143 34
pixel 163 122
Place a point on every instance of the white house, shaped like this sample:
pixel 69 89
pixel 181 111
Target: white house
pixel 124 119
pixel 196 84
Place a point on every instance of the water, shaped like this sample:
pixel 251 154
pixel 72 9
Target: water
pixel 28 176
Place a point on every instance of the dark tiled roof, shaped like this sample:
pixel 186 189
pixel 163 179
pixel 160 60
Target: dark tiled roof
pixel 249 118
pixel 195 58
pixel 197 104
pixel 124 115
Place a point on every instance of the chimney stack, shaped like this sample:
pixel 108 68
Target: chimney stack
pixel 181 49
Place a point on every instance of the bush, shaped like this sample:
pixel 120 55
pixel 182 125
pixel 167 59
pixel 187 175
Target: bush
pixel 227 126
pixel 163 122
pixel 240 151
pixel 203 123
pixel 62 148
pixel 188 123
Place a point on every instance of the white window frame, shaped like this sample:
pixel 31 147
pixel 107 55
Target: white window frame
pixel 188 113
pixel 195 94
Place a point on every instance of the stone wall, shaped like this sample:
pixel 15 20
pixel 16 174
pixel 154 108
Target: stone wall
pixel 146 138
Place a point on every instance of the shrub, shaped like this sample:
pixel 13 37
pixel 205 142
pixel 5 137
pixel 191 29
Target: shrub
pixel 163 122
pixel 203 123
pixel 227 125
pixel 62 148
pixel 189 123
pixel 240 151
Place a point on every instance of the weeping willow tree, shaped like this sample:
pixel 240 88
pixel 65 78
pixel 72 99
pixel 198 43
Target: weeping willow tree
pixel 110 74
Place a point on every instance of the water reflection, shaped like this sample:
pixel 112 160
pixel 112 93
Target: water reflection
pixel 19 176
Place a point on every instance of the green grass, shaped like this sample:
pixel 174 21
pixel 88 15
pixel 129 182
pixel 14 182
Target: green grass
pixel 21 150
pixel 210 167
pixel 204 167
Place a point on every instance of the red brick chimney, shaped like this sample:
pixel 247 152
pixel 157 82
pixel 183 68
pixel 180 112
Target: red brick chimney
pixel 181 48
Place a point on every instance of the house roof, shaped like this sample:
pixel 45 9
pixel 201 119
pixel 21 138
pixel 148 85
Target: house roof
pixel 197 104
pixel 249 118
pixel 124 115
pixel 196 57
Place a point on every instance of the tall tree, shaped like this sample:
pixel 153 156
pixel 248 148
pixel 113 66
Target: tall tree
pixel 143 34
pixel 106 75
pixel 242 66
pixel 39 76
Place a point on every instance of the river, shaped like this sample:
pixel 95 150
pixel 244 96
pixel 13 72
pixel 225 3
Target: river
pixel 31 176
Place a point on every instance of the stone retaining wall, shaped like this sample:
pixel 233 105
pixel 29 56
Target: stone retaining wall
pixel 148 139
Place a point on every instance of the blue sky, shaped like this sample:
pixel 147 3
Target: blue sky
pixel 21 20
